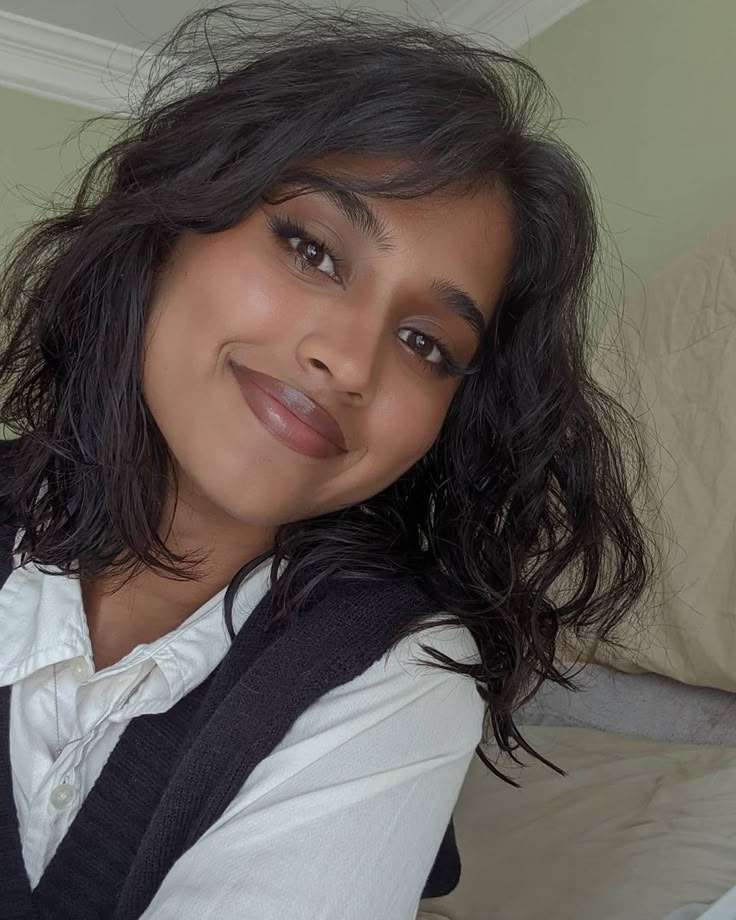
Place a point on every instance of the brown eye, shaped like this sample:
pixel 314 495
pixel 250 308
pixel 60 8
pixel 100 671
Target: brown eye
pixel 423 345
pixel 310 254
pixel 309 251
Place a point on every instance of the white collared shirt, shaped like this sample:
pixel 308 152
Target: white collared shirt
pixel 341 821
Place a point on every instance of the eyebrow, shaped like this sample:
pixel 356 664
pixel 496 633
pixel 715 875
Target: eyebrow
pixel 365 220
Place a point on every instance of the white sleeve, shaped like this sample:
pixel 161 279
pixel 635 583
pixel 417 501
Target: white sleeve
pixel 343 820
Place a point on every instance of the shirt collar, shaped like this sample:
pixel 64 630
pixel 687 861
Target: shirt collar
pixel 44 623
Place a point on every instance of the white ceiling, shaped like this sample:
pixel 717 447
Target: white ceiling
pixel 82 51
pixel 130 22
pixel 137 22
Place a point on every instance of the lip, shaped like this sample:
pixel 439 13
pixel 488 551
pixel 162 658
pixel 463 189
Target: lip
pixel 289 414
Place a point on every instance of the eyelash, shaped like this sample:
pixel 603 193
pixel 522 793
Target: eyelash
pixel 286 229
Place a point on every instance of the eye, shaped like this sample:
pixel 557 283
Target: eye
pixel 310 254
pixel 425 345
pixel 434 354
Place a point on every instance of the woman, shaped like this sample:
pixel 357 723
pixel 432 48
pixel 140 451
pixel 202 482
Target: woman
pixel 297 388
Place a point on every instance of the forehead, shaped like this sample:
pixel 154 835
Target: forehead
pixel 491 197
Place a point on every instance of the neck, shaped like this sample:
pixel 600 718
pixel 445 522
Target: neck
pixel 149 604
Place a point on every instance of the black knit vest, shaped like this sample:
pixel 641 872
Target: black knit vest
pixel 171 775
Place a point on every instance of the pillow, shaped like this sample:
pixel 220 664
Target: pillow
pixel 679 336
pixel 636 830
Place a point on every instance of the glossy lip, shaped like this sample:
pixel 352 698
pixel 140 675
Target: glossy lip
pixel 289 414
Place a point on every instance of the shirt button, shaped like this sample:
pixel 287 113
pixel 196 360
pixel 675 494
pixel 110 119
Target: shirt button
pixel 62 795
pixel 79 669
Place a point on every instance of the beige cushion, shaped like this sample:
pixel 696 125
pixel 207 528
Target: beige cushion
pixel 680 334
pixel 637 829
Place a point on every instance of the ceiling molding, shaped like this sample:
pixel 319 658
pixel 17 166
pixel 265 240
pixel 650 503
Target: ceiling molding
pixel 64 65
pixel 512 22
pixel 94 73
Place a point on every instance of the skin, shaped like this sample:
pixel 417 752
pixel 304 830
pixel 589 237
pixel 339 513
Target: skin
pixel 240 294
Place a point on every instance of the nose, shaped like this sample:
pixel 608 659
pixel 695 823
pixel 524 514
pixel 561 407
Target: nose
pixel 347 349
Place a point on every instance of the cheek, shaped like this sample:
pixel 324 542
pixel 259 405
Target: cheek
pixel 408 428
pixel 205 305
pixel 258 302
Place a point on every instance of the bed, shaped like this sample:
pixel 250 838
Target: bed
pixel 643 827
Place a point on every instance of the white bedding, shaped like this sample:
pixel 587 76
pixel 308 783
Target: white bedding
pixel 652 707
pixel 639 829
pixel 723 909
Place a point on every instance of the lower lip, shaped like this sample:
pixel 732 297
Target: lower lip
pixel 281 423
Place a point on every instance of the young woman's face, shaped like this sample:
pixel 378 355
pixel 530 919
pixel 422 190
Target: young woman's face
pixel 362 333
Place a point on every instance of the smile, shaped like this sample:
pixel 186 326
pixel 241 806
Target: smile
pixel 291 416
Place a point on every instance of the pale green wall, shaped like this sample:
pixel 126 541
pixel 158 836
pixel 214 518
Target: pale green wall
pixel 648 96
pixel 34 162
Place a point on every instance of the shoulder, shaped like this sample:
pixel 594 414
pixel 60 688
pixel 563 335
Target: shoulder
pixel 411 676
pixel 404 702
pixel 456 641
pixel 398 723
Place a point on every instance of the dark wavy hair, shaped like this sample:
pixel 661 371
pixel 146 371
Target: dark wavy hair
pixel 533 476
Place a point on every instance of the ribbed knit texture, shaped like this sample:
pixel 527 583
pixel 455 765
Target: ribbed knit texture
pixel 172 775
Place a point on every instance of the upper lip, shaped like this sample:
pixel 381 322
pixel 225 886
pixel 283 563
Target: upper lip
pixel 297 402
